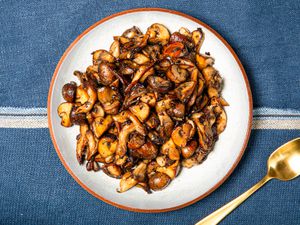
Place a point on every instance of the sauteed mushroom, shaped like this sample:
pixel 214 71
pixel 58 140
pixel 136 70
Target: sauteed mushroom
pixel 146 107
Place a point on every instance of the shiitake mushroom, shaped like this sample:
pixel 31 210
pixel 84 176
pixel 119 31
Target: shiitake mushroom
pixel 69 91
pixel 159 181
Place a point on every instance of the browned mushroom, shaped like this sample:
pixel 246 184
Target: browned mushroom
pixel 153 121
pixel 64 112
pixel 107 146
pixel 114 49
pixel 136 140
pixel 92 144
pixel 127 115
pixel 109 99
pixel 81 95
pixel 106 74
pixel 77 118
pixel 132 32
pixel 159 181
pixel 184 91
pixel 100 125
pixel 159 84
pixel 149 99
pixel 158 34
pixel 176 74
pixel 189 149
pixel 146 151
pixel 141 111
pixel 182 134
pixel 139 173
pixel 81 143
pixel 97 111
pixel 166 125
pixel 112 170
pixel 88 105
pixel 102 56
pixel 69 91
pixel 172 170
pixel 204 61
pixel 141 59
pixel 127 182
pixel 198 39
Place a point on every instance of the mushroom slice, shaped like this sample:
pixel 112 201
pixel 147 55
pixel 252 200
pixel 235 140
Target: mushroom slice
pixel 140 59
pixel 100 125
pixel 159 84
pixel 221 121
pixel 152 51
pixel 185 32
pixel 132 32
pixel 112 170
pixel 81 143
pixel 135 93
pixel 176 74
pixel 163 65
pixel 109 99
pixel 173 50
pixel 81 95
pixel 149 98
pixel 123 139
pixel 107 146
pixel 158 181
pixel 196 159
pixel 127 115
pixel 203 61
pixel 198 38
pixel 189 149
pixel 182 134
pixel 139 173
pixel 127 182
pixel 146 151
pixel 155 138
pixel 158 34
pixel 177 111
pixel 167 147
pixel 88 105
pixel 153 121
pixel 114 49
pixel 64 112
pixel 136 140
pixel 151 168
pixel 77 118
pixel 102 56
pixel 97 111
pixel 141 111
pixel 171 171
pixel 92 145
pixel 106 73
pixel 184 91
pixel 166 125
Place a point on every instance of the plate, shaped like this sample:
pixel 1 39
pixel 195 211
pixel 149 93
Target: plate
pixel 192 184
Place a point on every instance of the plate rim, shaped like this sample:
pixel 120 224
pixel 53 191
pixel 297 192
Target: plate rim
pixel 250 104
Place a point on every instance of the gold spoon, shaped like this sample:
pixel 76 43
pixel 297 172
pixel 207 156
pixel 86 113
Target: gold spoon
pixel 283 164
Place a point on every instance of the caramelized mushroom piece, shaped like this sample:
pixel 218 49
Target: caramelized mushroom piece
pixel 88 105
pixel 168 146
pixel 114 49
pixel 81 143
pixel 136 140
pixel 64 112
pixel 182 134
pixel 100 125
pixel 158 34
pixel 107 146
pixel 146 151
pixel 81 95
pixel 176 74
pixel 189 149
pixel 184 91
pixel 97 111
pixel 69 91
pixel 77 118
pixel 92 145
pixel 139 173
pixel 141 111
pixel 153 121
pixel 127 182
pixel 166 125
pixel 102 56
pixel 112 170
pixel 203 61
pixel 172 170
pixel 109 99
pixel 149 99
pixel 198 39
pixel 127 115
pixel 159 84
pixel 141 59
pixel 106 74
pixel 132 32
pixel 159 181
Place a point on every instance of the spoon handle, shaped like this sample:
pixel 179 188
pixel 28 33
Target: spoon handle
pixel 222 212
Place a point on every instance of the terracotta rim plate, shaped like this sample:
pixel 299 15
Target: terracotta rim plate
pixel 192 184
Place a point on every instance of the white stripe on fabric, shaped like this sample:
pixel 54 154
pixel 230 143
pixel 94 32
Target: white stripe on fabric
pixel 264 118
pixel 21 110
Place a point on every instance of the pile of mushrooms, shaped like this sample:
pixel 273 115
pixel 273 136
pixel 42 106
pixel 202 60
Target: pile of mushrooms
pixel 147 107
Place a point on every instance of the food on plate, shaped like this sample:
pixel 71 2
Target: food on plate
pixel 146 107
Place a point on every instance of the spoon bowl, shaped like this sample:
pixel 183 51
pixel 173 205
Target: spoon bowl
pixel 284 162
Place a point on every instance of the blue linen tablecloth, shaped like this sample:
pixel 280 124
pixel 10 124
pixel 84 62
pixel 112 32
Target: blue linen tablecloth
pixel 34 186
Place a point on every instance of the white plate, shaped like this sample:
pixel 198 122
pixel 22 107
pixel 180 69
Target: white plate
pixel 192 184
